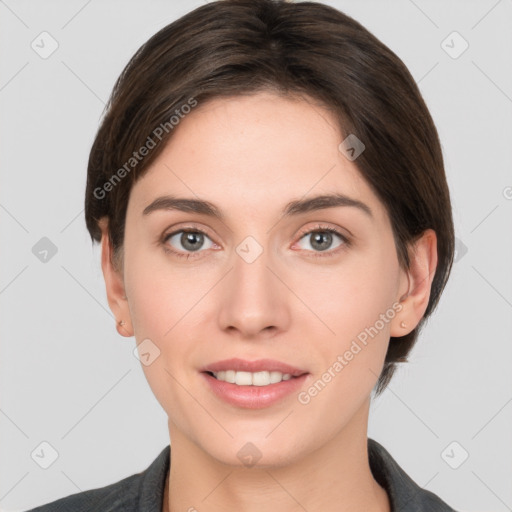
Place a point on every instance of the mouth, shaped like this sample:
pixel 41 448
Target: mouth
pixel 253 384
pixel 252 373
pixel 263 378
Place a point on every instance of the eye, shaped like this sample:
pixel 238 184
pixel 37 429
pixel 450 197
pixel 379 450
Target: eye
pixel 190 240
pixel 321 239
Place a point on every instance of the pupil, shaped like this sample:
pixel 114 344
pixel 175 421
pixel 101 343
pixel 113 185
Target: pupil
pixel 322 240
pixel 192 241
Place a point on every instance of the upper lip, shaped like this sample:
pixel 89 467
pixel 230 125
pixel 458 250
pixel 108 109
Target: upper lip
pixel 260 365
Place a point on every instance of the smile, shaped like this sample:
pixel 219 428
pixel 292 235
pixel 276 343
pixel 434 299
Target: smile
pixel 263 378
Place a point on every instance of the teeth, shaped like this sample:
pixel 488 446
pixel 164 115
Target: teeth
pixel 251 379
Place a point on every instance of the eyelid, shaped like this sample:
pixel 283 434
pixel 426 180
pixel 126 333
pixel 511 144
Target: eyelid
pixel 174 230
pixel 319 227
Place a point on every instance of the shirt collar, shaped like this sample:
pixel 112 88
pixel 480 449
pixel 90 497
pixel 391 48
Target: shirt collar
pixel 404 494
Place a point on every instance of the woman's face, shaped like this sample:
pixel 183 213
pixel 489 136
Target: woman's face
pixel 261 280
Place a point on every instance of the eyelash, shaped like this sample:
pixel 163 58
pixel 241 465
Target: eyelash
pixel 316 254
pixel 186 255
pixel 321 229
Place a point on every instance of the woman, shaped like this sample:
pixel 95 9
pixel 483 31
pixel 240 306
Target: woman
pixel 268 189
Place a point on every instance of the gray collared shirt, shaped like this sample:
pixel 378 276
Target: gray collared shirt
pixel 144 491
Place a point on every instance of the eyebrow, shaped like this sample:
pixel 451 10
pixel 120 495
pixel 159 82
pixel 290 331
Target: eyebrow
pixel 291 209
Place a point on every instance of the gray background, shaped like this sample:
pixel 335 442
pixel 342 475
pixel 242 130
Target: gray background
pixel 69 379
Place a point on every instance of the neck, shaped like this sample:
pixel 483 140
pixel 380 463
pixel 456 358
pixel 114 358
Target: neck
pixel 334 477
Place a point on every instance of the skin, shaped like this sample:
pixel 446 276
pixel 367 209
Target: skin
pixel 250 156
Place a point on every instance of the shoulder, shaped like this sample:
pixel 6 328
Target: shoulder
pixel 141 491
pixel 121 495
pixel 404 494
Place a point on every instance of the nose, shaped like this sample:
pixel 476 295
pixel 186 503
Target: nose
pixel 254 300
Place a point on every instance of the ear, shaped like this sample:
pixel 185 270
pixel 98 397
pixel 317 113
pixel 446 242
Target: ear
pixel 114 283
pixel 416 283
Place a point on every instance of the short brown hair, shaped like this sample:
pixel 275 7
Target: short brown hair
pixel 234 47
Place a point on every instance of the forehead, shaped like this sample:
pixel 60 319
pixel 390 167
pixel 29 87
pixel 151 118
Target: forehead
pixel 253 151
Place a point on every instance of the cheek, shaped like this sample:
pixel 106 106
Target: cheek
pixel 164 300
pixel 160 294
pixel 353 296
pixel 357 303
pixel 159 314
pixel 359 311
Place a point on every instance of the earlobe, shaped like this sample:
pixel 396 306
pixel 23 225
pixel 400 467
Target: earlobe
pixel 114 284
pixel 122 329
pixel 420 274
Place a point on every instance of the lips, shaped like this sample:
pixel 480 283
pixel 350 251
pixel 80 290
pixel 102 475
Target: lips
pixel 253 397
pixel 242 365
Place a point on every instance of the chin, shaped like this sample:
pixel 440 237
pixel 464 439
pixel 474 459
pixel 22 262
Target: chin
pixel 253 451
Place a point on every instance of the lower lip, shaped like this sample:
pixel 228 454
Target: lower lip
pixel 253 397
